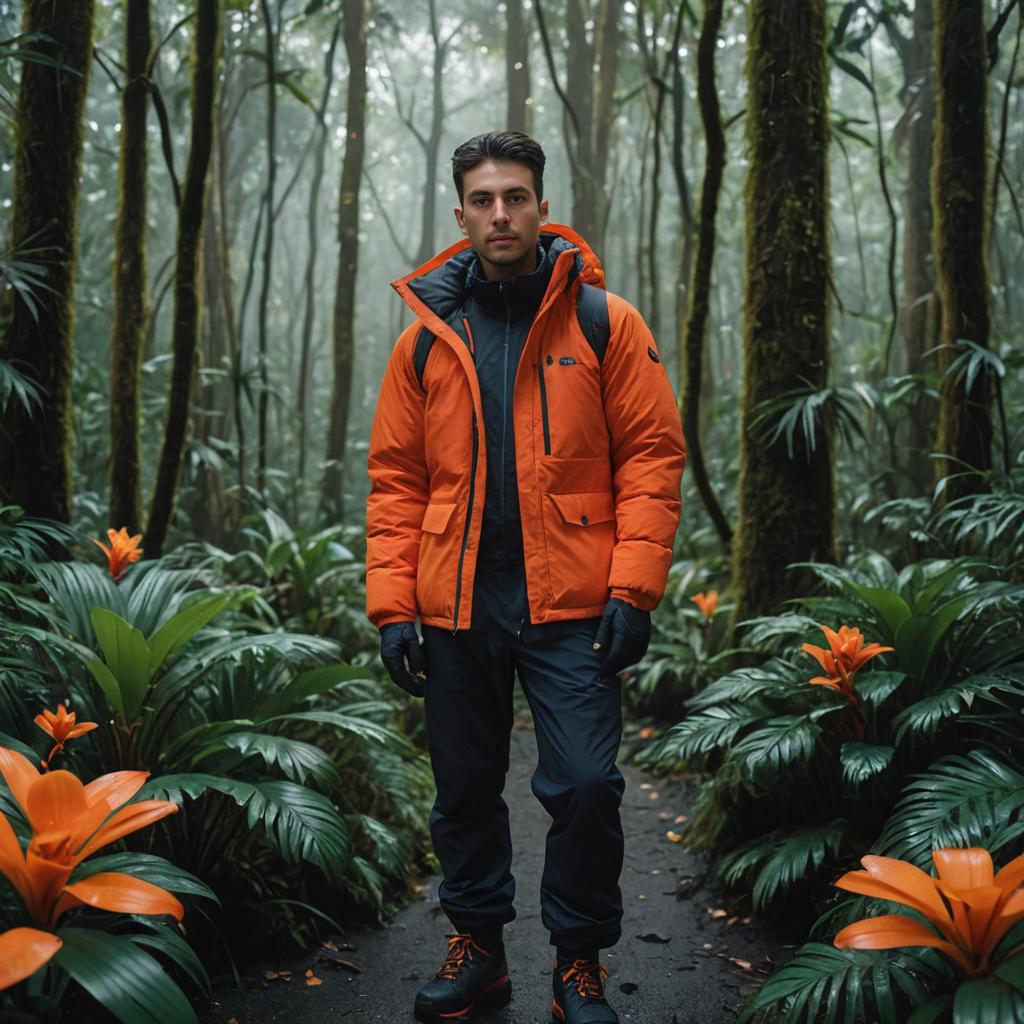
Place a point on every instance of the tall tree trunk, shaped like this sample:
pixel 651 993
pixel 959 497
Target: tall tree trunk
pixel 35 456
pixel 270 55
pixel 919 318
pixel 356 13
pixel 205 60
pixel 958 199
pixel 786 505
pixel 130 277
pixel 313 234
pixel 517 69
pixel 431 143
pixel 687 225
pixel 697 323
pixel 588 107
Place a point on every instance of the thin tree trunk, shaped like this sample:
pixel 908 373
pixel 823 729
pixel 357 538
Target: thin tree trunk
pixel 517 69
pixel 206 55
pixel 920 313
pixel 35 456
pixel 697 323
pixel 356 13
pixel 431 143
pixel 130 277
pixel 786 505
pixel 270 53
pixel 958 199
pixel 313 234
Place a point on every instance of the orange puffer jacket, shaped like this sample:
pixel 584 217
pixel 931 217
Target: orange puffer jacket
pixel 599 458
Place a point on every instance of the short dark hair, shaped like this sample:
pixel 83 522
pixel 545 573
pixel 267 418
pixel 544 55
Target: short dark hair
pixel 508 145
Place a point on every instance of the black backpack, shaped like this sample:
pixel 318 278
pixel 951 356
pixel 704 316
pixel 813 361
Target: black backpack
pixel 591 313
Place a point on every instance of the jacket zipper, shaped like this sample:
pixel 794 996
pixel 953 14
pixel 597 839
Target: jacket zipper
pixel 504 416
pixel 544 407
pixel 469 520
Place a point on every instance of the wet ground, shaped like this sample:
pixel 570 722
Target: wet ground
pixel 684 957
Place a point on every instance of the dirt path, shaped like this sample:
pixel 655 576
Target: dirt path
pixel 672 965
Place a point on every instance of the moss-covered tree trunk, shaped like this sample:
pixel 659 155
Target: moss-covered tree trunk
pixel 205 61
pixel 786 505
pixel 919 316
pixel 130 276
pixel 697 322
pixel 517 68
pixel 356 14
pixel 958 201
pixel 35 448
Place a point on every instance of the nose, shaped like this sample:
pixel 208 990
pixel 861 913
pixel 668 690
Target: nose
pixel 500 214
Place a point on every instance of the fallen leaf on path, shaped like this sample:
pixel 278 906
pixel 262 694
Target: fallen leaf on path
pixel 745 964
pixel 641 897
pixel 680 819
pixel 314 981
pixel 665 815
pixel 673 837
pixel 718 912
pixel 653 794
pixel 647 785
pixel 654 937
pixel 646 732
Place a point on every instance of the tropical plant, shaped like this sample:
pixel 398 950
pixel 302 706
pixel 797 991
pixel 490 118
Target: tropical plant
pixel 65 823
pixel 968 914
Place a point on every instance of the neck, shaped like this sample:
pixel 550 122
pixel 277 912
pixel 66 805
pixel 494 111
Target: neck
pixel 506 271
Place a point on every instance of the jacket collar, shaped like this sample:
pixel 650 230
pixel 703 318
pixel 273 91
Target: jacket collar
pixel 438 289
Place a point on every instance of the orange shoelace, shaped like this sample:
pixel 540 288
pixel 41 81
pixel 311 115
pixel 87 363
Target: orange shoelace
pixel 589 976
pixel 460 949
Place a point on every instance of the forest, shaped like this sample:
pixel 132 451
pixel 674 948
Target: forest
pixel 818 208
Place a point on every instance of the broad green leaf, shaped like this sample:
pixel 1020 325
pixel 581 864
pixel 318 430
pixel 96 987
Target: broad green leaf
pixel 108 684
pixel 173 635
pixel 889 607
pixel 875 687
pixel 167 941
pixel 297 760
pixel 917 637
pixel 149 868
pixel 308 683
pixel 797 855
pixel 127 657
pixel 862 760
pixel 122 978
pixel 777 744
pixel 987 1002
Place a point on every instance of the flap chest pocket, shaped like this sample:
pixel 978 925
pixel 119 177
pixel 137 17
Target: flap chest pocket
pixel 435 519
pixel 586 508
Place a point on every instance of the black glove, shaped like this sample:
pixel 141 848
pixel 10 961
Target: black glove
pixel 623 636
pixel 400 643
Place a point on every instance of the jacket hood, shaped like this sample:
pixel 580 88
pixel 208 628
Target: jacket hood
pixel 441 284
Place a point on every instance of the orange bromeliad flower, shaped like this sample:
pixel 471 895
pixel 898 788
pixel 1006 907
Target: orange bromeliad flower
pixel 61 726
pixel 70 821
pixel 707 603
pixel 843 660
pixel 122 552
pixel 969 908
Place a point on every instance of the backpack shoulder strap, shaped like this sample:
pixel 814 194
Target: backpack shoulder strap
pixel 592 314
pixel 424 343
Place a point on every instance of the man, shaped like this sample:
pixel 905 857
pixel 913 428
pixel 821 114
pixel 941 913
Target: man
pixel 525 463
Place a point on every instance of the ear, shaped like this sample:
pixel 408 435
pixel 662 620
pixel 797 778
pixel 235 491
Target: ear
pixel 460 219
pixel 543 211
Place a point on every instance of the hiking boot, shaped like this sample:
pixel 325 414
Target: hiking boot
pixel 470 976
pixel 578 987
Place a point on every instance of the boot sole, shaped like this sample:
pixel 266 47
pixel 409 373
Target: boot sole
pixel 498 993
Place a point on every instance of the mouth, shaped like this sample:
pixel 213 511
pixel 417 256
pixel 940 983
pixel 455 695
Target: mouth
pixel 503 238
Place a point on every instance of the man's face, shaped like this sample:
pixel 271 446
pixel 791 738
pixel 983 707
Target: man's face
pixel 501 217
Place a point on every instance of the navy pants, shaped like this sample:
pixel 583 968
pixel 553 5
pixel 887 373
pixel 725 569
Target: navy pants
pixel 578 722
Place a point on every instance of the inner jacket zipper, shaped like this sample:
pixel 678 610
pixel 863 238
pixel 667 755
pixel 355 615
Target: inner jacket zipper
pixel 544 407
pixel 504 414
pixel 469 520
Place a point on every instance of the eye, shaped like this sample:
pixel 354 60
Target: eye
pixel 516 199
pixel 480 201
